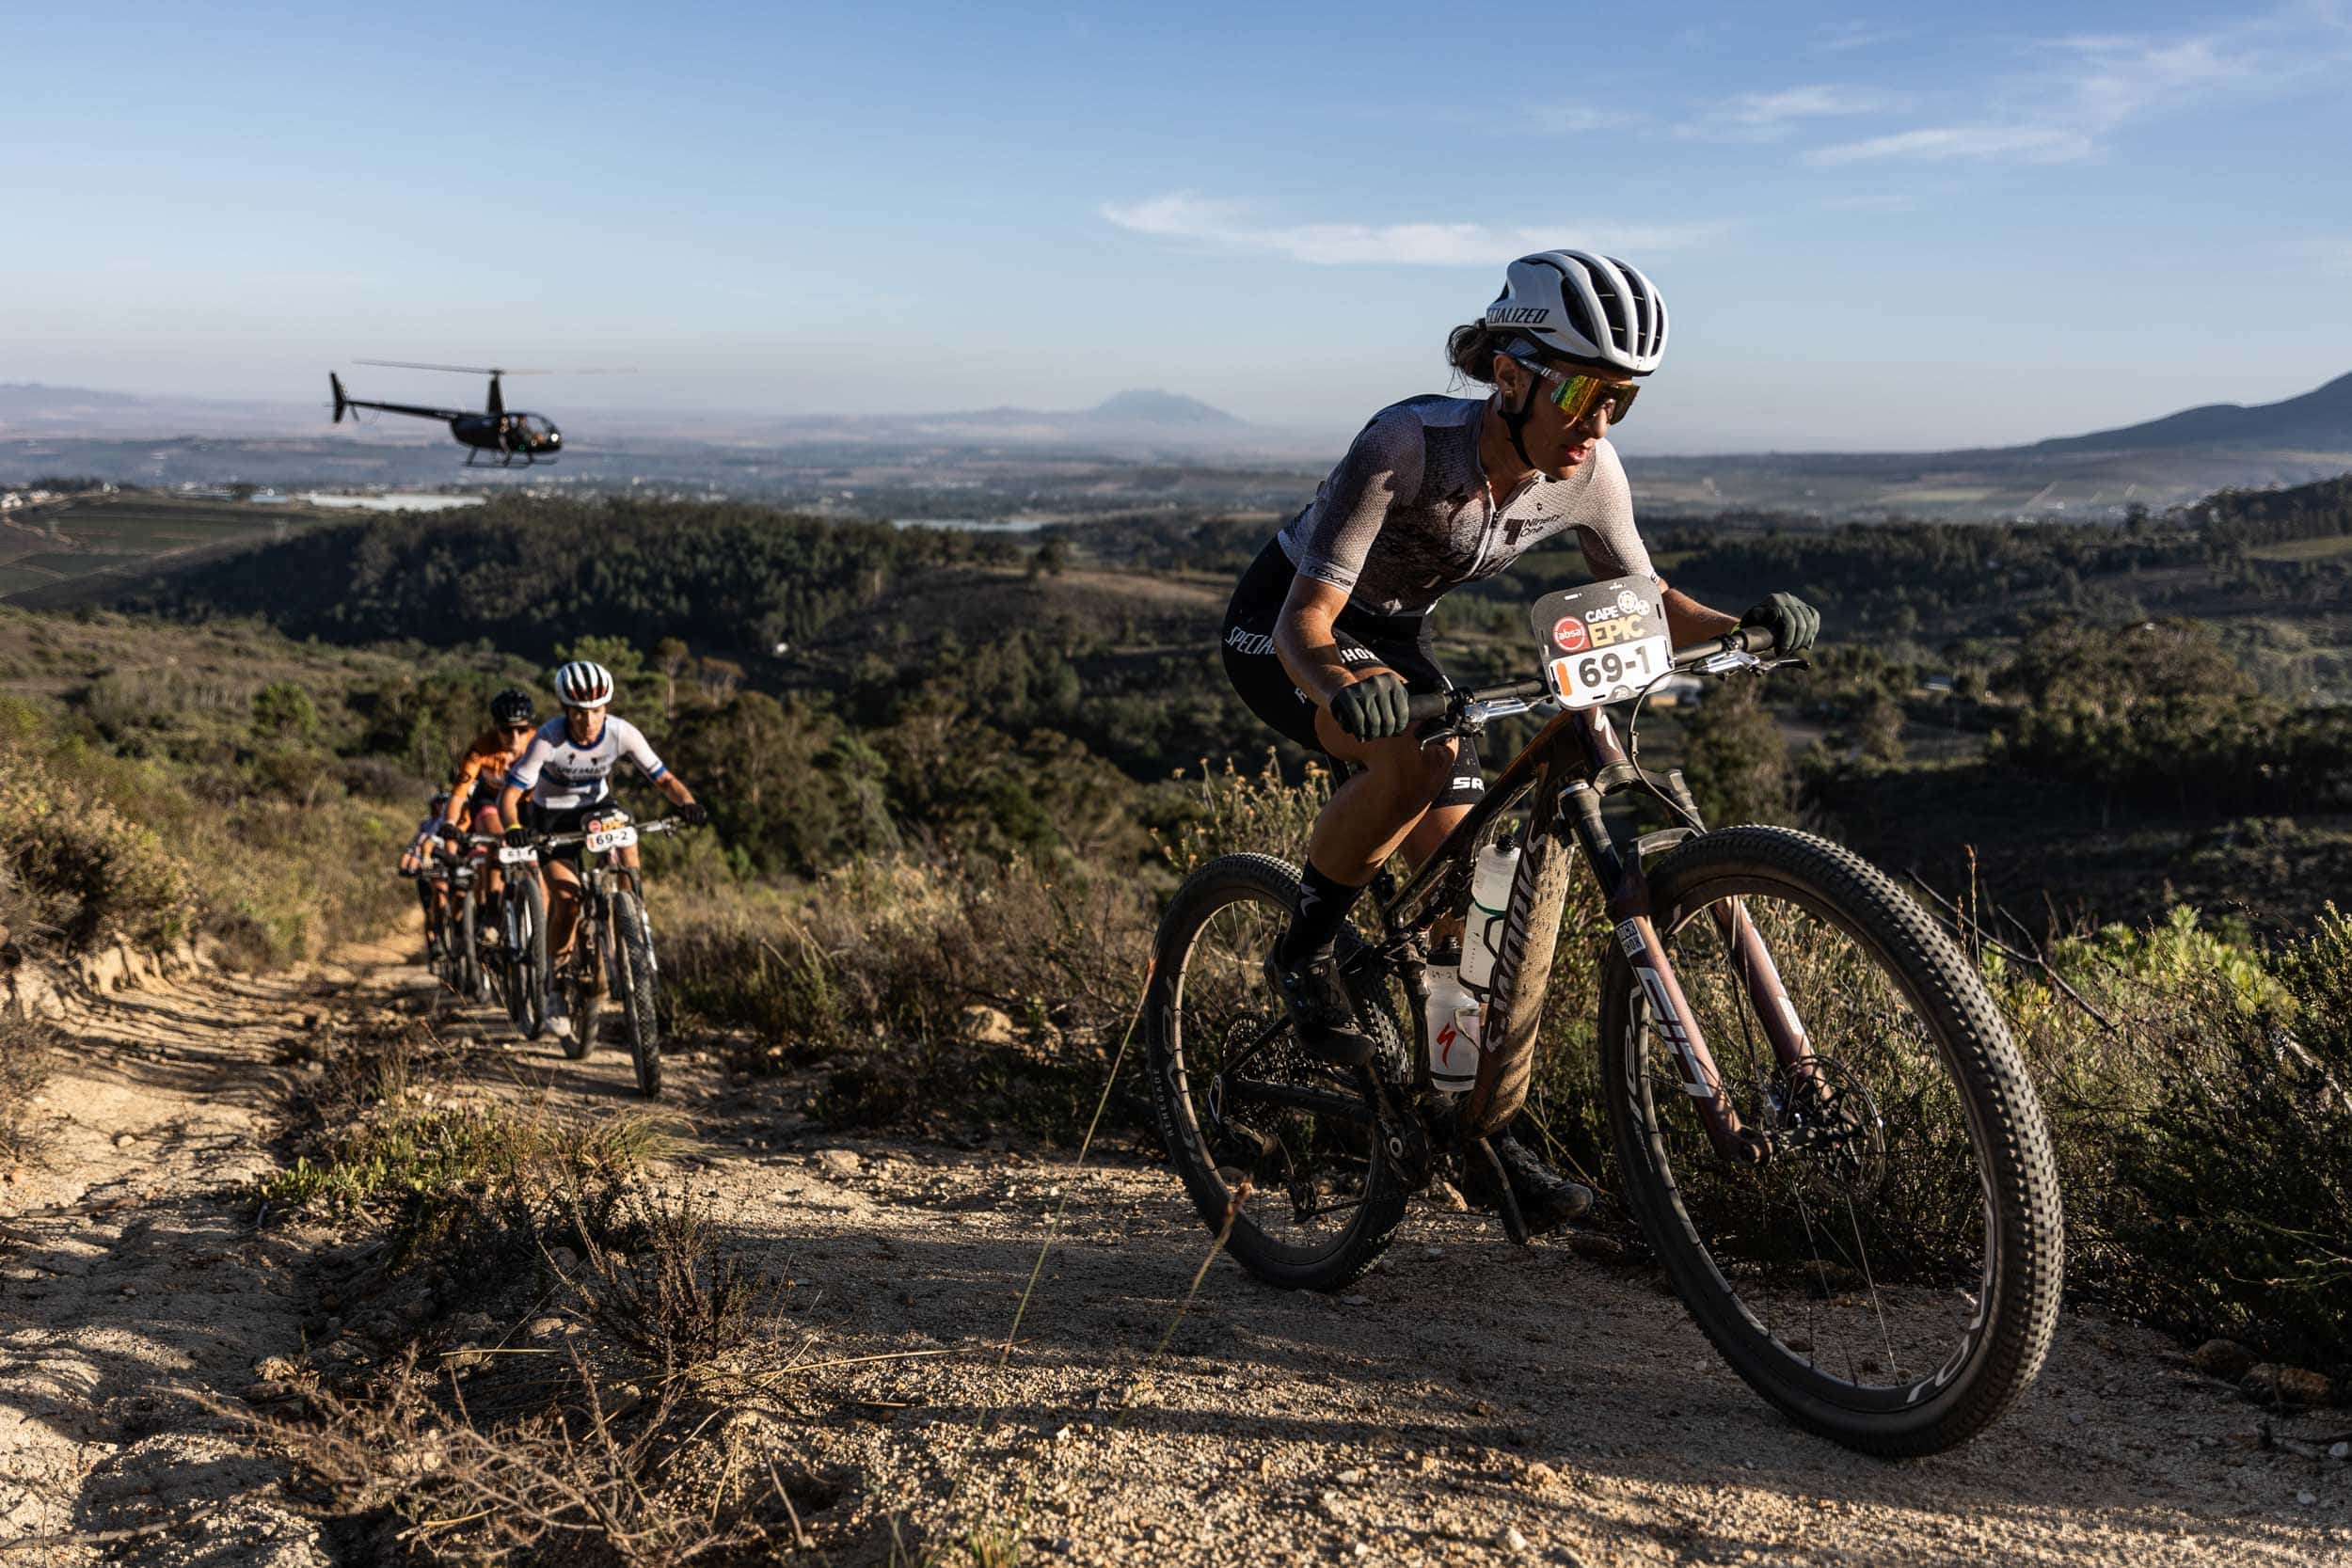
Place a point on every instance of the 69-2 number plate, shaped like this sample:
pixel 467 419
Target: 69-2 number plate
pixel 1603 642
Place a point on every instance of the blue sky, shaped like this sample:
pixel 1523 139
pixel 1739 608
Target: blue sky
pixel 1917 226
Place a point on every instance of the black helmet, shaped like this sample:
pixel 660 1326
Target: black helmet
pixel 513 706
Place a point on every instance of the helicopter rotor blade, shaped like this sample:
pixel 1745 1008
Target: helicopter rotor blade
pixel 458 370
pixel 494 370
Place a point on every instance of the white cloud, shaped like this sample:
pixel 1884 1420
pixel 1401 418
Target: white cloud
pixel 2038 144
pixel 1230 226
pixel 1571 119
pixel 2088 89
pixel 1763 116
pixel 1888 204
pixel 1860 35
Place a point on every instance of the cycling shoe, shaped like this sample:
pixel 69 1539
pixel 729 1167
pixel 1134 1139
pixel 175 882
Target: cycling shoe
pixel 1547 1199
pixel 1315 995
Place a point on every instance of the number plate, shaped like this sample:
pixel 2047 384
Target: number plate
pixel 509 855
pixel 611 838
pixel 1603 642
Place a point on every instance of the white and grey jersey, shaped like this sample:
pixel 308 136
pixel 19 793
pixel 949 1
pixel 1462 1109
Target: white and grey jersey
pixel 559 774
pixel 1407 514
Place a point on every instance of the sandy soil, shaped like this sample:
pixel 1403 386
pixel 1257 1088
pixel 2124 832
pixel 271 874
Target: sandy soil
pixel 1468 1402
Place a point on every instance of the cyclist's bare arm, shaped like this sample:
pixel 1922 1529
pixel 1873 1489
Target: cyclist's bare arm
pixel 1307 645
pixel 1687 620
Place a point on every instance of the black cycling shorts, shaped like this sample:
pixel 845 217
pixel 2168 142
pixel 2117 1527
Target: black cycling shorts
pixel 1402 642
pixel 561 819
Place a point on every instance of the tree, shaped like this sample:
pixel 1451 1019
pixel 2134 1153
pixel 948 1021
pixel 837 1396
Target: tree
pixel 671 656
pixel 1878 729
pixel 1738 760
pixel 284 710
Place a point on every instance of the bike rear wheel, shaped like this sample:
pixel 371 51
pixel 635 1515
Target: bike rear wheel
pixel 1889 1274
pixel 1267 1139
pixel 637 988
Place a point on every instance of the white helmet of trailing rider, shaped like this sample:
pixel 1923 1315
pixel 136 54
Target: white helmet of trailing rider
pixel 583 683
pixel 1584 306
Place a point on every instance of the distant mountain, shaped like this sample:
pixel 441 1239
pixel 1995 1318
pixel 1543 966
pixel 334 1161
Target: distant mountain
pixel 2319 421
pixel 23 399
pixel 29 408
pixel 1142 407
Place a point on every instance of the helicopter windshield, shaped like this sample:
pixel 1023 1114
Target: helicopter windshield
pixel 538 428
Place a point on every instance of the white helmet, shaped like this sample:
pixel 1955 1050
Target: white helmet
pixel 583 683
pixel 1584 306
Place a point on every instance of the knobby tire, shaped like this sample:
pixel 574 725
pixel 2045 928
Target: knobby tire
pixel 2001 1349
pixel 633 969
pixel 1334 1262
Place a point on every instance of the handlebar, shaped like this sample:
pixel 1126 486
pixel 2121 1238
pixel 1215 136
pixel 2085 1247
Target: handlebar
pixel 1744 647
pixel 1739 639
pixel 565 840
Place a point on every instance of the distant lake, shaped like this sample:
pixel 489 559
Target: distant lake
pixel 393 503
pixel 975 525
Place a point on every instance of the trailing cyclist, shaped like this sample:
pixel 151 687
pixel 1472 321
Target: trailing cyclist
pixel 473 802
pixel 1329 630
pixel 566 771
pixel 418 857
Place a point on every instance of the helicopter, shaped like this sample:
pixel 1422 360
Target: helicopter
pixel 506 434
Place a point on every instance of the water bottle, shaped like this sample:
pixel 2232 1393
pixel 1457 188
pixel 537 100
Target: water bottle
pixel 1483 921
pixel 1454 1017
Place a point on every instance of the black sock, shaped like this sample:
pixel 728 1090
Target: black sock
pixel 1323 905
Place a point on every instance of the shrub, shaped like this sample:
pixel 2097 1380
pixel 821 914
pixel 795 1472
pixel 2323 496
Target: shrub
pixel 82 866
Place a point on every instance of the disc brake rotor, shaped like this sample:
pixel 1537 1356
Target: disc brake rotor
pixel 1826 1132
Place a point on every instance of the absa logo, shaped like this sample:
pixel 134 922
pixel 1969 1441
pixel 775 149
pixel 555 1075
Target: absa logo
pixel 1570 634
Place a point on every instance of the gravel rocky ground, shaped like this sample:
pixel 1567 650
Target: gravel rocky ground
pixel 1468 1402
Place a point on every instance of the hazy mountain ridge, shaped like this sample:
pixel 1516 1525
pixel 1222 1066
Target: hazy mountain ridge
pixel 2156 464
pixel 2317 421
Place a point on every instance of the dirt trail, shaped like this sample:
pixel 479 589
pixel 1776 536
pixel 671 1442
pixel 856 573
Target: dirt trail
pixel 1468 1402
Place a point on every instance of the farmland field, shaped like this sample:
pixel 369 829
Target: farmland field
pixel 2304 550
pixel 47 548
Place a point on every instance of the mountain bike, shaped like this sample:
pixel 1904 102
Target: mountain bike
pixel 612 945
pixel 1820 1122
pixel 440 929
pixel 466 974
pixel 522 963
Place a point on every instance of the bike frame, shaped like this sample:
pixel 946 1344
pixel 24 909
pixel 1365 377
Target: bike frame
pixel 1563 776
pixel 600 874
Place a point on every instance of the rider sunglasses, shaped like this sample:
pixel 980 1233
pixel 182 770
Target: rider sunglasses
pixel 1579 395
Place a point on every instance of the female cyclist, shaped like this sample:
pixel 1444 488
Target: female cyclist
pixel 1329 630
pixel 482 774
pixel 566 772
pixel 415 861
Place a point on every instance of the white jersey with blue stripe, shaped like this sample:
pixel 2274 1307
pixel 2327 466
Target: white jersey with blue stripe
pixel 559 773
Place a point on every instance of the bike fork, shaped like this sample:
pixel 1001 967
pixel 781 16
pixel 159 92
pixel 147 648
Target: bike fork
pixel 1670 1011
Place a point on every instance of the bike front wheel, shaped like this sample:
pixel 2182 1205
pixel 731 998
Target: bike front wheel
pixel 1887 1271
pixel 582 993
pixel 633 969
pixel 527 956
pixel 471 984
pixel 1279 1151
